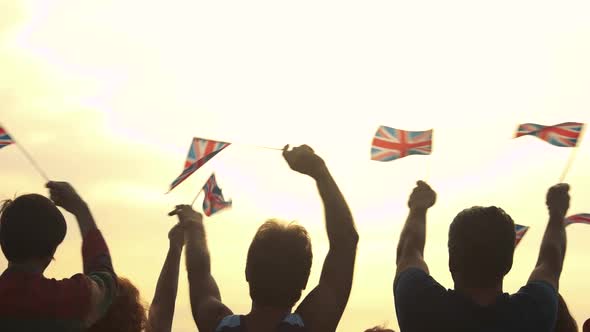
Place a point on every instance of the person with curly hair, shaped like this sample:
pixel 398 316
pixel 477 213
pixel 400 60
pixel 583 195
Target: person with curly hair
pixel 127 312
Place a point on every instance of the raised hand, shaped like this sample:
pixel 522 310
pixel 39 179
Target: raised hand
pixel 422 197
pixel 64 195
pixel 187 216
pixel 303 160
pixel 558 199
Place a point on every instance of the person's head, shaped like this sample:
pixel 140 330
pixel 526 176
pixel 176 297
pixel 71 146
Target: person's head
pixel 481 247
pixel 31 228
pixel 586 327
pixel 127 313
pixel 565 322
pixel 278 264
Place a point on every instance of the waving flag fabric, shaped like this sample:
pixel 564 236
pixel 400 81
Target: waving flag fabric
pixel 5 139
pixel 582 218
pixel 200 152
pixel 520 232
pixel 214 200
pixel 564 134
pixel 390 144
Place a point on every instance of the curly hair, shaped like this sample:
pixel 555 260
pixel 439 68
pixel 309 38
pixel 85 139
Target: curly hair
pixel 127 313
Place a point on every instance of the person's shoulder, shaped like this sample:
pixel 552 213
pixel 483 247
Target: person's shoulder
pixel 417 294
pixel 415 278
pixel 292 323
pixel 42 297
pixel 77 282
pixel 537 290
pixel 536 299
pixel 229 323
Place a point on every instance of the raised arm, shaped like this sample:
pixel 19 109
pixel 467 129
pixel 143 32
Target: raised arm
pixel 323 307
pixel 410 248
pixel 162 308
pixel 552 252
pixel 98 267
pixel 204 294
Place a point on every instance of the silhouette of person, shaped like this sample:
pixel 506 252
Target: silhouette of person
pixel 481 248
pixel 278 265
pixel 31 229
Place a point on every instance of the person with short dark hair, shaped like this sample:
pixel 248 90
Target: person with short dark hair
pixel 586 327
pixel 31 229
pixel 481 248
pixel 278 266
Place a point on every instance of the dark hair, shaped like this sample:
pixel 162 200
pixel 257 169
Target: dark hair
pixel 31 227
pixel 481 246
pixel 127 313
pixel 278 265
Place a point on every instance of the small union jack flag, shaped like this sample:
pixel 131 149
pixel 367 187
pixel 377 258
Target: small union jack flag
pixel 214 200
pixel 582 218
pixel 5 139
pixel 520 232
pixel 564 134
pixel 200 152
pixel 390 143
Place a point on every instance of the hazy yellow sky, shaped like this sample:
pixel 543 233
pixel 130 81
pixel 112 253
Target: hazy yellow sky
pixel 108 94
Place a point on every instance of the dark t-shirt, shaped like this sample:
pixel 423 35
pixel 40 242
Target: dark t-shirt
pixel 422 304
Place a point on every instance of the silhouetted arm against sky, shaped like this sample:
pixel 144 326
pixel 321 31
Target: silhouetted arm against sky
pixel 204 294
pixel 98 266
pixel 161 312
pixel 552 252
pixel 323 307
pixel 410 248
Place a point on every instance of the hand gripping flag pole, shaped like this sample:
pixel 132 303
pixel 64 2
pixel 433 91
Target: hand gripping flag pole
pixel 7 139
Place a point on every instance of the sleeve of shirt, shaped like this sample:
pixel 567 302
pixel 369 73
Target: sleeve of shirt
pixel 98 268
pixel 416 293
pixel 538 303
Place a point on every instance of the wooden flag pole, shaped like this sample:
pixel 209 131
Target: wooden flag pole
pixel 570 161
pixel 28 156
pixel 195 199
pixel 259 146
pixel 572 156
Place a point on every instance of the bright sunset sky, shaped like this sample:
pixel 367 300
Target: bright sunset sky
pixel 108 95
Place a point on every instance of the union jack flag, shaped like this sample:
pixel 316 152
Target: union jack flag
pixel 582 218
pixel 214 200
pixel 390 143
pixel 200 152
pixel 520 232
pixel 564 134
pixel 5 139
